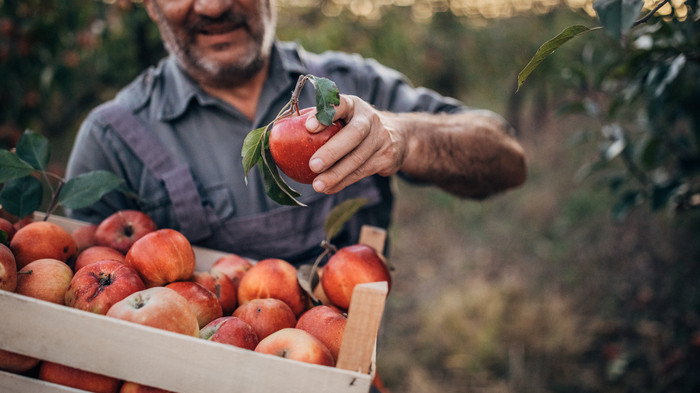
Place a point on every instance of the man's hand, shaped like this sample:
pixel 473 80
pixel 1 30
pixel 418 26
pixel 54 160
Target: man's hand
pixel 366 145
pixel 469 154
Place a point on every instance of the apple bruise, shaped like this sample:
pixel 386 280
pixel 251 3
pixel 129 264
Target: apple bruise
pixel 103 281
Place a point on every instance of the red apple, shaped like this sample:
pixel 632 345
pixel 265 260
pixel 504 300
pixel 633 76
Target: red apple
pixel 232 265
pixel 326 324
pixel 266 316
pixel 45 279
pixel 273 278
pixel 15 362
pixel 78 379
pixel 42 239
pixel 158 307
pixel 161 257
pixel 8 227
pixel 97 253
pixel 133 387
pixel 203 302
pixel 349 266
pixel 84 236
pixel 296 344
pixel 292 145
pixel 8 269
pixel 100 285
pixel 232 331
pixel 121 229
pixel 23 222
pixel 222 286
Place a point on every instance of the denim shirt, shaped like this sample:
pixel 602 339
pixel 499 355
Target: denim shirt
pixel 207 135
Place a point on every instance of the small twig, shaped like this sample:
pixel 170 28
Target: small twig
pixel 648 16
pixel 54 200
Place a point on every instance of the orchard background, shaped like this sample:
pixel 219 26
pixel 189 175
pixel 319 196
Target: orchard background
pixel 583 280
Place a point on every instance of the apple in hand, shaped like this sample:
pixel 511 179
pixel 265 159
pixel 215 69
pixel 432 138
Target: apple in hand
pixel 296 344
pixel 100 285
pixel 161 257
pixel 203 302
pixel 121 229
pixel 232 331
pixel 326 324
pixel 266 316
pixel 78 379
pixel 45 279
pixel 222 286
pixel 158 307
pixel 15 362
pixel 273 278
pixel 97 253
pixel 292 145
pixel 349 266
pixel 232 265
pixel 42 239
pixel 8 269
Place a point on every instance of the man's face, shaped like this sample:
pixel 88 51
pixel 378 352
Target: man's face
pixel 217 42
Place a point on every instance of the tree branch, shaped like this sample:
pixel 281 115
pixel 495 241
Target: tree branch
pixel 651 13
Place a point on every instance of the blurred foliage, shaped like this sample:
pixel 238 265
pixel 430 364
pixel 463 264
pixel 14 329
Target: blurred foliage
pixel 58 59
pixel 644 95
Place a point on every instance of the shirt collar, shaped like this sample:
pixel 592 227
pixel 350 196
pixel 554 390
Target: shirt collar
pixel 179 88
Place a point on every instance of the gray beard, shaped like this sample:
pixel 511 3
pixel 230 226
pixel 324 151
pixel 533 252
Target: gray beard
pixel 211 73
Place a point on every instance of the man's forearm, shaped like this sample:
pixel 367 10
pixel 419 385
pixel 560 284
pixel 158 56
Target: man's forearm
pixel 469 154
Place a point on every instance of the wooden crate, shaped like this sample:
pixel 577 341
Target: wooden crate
pixel 178 362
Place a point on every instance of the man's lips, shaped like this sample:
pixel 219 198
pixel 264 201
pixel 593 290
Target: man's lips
pixel 218 29
pixel 214 35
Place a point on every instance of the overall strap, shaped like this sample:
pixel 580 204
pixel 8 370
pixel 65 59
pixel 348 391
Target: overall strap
pixel 177 177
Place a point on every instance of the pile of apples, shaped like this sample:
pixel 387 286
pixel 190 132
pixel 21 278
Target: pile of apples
pixel 127 268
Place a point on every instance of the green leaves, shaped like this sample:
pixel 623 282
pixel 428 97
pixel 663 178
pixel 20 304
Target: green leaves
pixel 23 170
pixel 327 95
pixel 548 48
pixel 275 187
pixel 340 214
pixel 256 150
pixel 88 188
pixel 13 167
pixel 617 16
pixel 22 196
pixel 252 149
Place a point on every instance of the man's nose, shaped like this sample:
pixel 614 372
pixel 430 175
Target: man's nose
pixel 212 8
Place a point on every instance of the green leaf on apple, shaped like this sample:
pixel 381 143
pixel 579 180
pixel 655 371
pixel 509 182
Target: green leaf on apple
pixel 3 237
pixel 327 96
pixel 22 196
pixel 33 148
pixel 87 188
pixel 340 214
pixel 275 187
pixel 13 167
pixel 252 148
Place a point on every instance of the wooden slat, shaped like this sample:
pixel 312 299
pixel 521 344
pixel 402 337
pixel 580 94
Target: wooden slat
pixel 156 357
pixel 13 383
pixel 374 237
pixel 364 318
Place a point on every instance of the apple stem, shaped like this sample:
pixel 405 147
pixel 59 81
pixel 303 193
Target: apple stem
pixel 294 101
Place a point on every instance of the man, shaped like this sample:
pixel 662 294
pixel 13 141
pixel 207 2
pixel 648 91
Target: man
pixel 175 135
